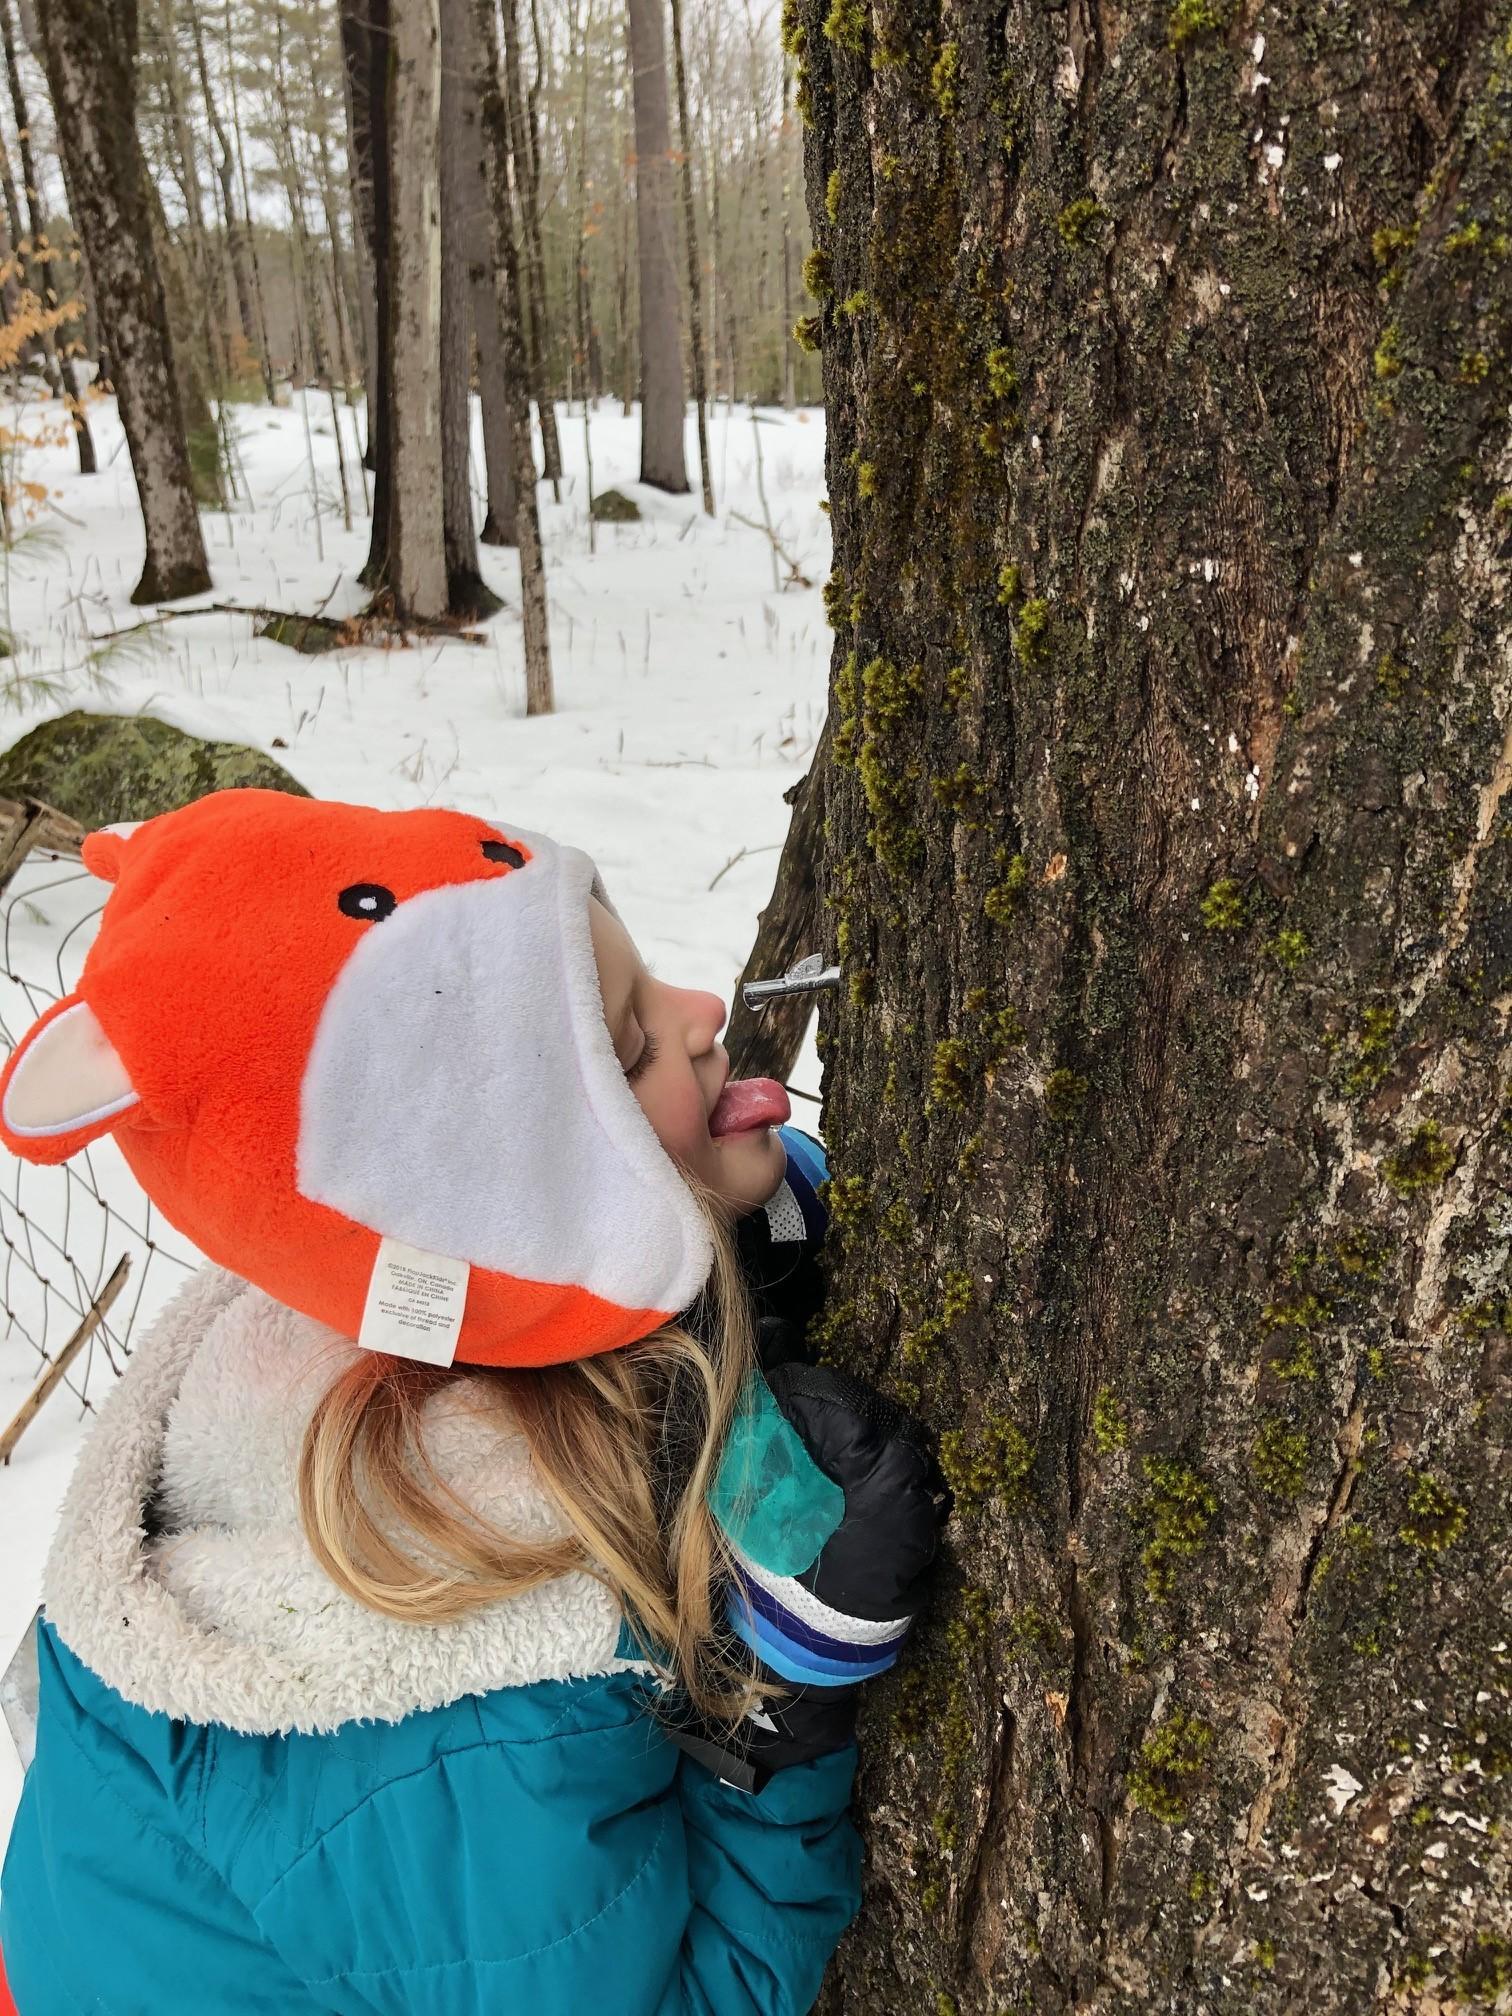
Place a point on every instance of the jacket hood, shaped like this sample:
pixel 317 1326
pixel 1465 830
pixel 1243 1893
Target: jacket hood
pixel 229 1618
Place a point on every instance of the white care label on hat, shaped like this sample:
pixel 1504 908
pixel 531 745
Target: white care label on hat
pixel 414 1303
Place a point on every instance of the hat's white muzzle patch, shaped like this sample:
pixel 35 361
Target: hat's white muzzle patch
pixel 462 1094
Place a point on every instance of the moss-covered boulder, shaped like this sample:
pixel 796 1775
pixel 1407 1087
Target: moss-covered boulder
pixel 613 507
pixel 99 768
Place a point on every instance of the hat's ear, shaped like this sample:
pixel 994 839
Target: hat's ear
pixel 63 1086
pixel 102 851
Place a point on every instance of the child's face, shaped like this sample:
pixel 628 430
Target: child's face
pixel 665 1037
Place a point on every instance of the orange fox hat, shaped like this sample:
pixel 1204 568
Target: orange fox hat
pixel 324 1036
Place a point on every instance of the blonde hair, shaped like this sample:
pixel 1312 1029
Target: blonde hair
pixel 625 1445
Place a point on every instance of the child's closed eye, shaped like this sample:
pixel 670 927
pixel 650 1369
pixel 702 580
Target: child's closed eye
pixel 646 1058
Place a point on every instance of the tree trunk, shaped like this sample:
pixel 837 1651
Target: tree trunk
pixel 225 169
pixel 90 52
pixel 789 390
pixel 663 462
pixel 623 328
pixel 500 527
pixel 266 350
pixel 539 698
pixel 521 123
pixel 695 291
pixel 499 523
pixel 467 593
pixel 358 80
pixel 180 289
pixel 41 253
pixel 411 563
pixel 1168 848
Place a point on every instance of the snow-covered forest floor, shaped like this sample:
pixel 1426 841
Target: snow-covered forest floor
pixel 690 691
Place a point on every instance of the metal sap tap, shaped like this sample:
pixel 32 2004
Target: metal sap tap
pixel 809 976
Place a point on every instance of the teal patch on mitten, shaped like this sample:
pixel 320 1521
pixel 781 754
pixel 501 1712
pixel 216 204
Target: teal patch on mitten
pixel 770 1495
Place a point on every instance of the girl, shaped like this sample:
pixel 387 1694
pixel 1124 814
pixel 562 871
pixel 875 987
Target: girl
pixel 445 1616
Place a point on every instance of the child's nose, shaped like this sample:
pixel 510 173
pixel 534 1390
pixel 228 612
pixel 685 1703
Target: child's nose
pixel 712 1014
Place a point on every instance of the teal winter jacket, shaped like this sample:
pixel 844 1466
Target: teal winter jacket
pixel 250 1794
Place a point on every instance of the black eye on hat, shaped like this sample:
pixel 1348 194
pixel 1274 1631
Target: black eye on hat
pixel 368 902
pixel 500 850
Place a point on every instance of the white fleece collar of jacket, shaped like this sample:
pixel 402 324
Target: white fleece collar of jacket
pixel 230 1619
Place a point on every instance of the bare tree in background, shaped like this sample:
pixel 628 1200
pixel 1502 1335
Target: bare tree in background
pixel 539 698
pixel 663 460
pixel 520 120
pixel 695 286
pixel 40 251
pixel 239 246
pixel 467 594
pixel 401 42
pixel 499 521
pixel 89 48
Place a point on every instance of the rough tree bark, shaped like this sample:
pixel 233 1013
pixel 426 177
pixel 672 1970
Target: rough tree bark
pixel 520 119
pixel 499 521
pixel 407 557
pixel 468 595
pixel 1168 844
pixel 499 527
pixel 358 84
pixel 539 696
pixel 663 408
pixel 89 49
pixel 690 238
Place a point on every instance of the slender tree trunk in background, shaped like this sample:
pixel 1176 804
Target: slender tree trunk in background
pixel 90 52
pixel 235 227
pixel 201 435
pixel 494 129
pixel 789 387
pixel 499 524
pixel 43 351
pixel 343 302
pixel 624 325
pixel 306 277
pixel 365 39
pixel 760 318
pixel 718 296
pixel 13 215
pixel 580 36
pixel 63 346
pixel 357 59
pixel 183 165
pixel 467 594
pixel 10 289
pixel 695 289
pixel 663 406
pixel 522 143
pixel 338 290
pixel 551 448
pixel 1168 846
pixel 266 350
pixel 767 1045
pixel 415 569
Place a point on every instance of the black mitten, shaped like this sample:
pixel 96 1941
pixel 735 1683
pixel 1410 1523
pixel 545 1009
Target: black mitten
pixel 840 1619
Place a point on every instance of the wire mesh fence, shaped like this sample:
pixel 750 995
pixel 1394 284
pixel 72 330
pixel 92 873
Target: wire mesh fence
pixel 66 1228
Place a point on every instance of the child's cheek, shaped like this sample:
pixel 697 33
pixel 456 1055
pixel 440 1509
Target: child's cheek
pixel 681 1123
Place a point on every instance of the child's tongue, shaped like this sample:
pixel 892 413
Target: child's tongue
pixel 749 1102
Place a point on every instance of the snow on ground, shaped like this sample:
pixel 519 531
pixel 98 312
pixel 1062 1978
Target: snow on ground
pixel 690 691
